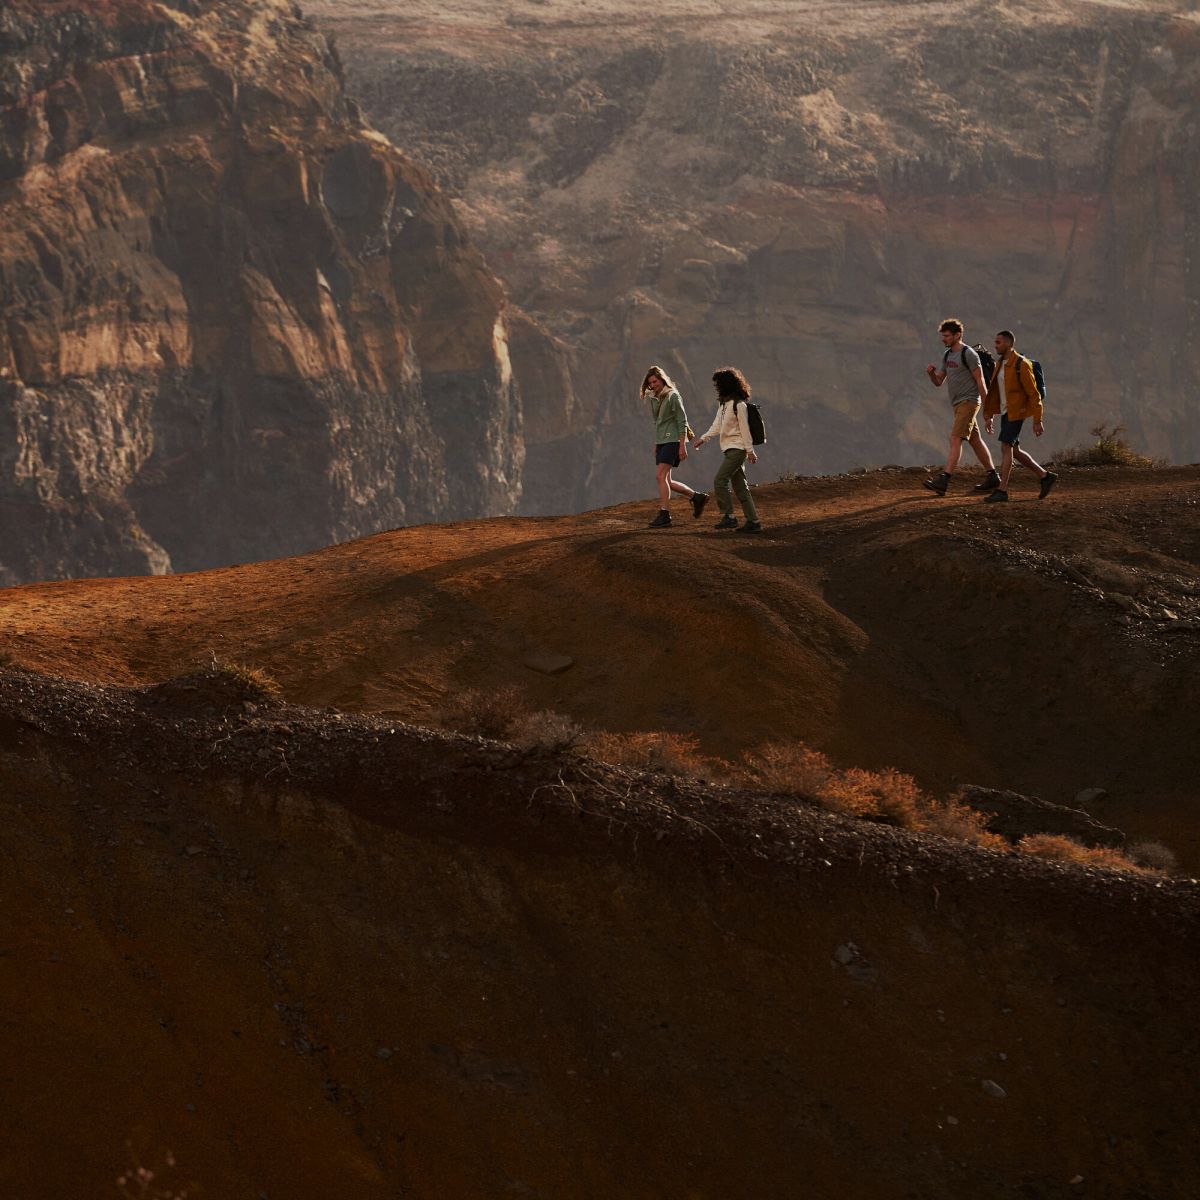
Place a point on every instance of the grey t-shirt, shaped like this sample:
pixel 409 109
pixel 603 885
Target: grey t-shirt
pixel 960 366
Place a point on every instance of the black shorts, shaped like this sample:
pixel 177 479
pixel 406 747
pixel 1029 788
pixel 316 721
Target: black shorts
pixel 1010 431
pixel 667 452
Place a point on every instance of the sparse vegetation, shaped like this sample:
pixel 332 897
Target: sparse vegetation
pixel 547 732
pixel 1110 450
pixel 1153 856
pixel 1067 849
pixel 668 753
pixel 253 680
pixel 887 796
pixel 485 714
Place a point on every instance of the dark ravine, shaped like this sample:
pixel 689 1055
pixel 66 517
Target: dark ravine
pixel 308 953
pixel 236 322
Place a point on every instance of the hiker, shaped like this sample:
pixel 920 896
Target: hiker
pixel 733 428
pixel 670 443
pixel 962 373
pixel 1015 395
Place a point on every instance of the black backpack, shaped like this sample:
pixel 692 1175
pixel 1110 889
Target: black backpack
pixel 986 361
pixel 1038 377
pixel 754 418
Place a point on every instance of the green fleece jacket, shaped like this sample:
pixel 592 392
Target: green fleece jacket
pixel 670 421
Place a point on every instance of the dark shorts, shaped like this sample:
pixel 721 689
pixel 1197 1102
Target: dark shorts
pixel 1010 431
pixel 667 452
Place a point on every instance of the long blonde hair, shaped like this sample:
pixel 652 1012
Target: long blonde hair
pixel 668 382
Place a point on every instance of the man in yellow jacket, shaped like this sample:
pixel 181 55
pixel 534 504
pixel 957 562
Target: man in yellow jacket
pixel 1014 394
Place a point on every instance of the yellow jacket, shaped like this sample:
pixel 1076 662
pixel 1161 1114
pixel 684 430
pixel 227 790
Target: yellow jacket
pixel 1020 390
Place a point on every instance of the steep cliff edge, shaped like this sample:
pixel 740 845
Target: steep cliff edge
pixel 806 190
pixel 234 321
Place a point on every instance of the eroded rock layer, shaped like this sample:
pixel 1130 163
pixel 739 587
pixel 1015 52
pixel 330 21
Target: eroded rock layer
pixel 806 190
pixel 235 322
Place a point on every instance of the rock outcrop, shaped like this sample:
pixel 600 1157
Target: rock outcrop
pixel 807 193
pixel 236 322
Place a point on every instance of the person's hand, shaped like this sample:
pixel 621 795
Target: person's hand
pixel 697 443
pixel 682 451
pixel 987 424
pixel 931 369
pixel 1038 429
pixel 751 457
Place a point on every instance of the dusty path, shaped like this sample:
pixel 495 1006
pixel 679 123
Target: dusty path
pixel 1046 647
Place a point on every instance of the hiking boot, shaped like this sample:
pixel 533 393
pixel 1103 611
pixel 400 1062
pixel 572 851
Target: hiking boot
pixel 751 527
pixel 1048 481
pixel 938 484
pixel 662 520
pixel 726 522
pixel 699 500
pixel 996 497
pixel 990 482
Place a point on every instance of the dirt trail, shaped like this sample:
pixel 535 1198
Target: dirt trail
pixel 1045 647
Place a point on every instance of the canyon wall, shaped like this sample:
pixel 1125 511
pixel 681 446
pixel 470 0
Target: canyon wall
pixel 807 192
pixel 236 322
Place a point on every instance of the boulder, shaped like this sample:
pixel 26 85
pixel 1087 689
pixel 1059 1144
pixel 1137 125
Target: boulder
pixel 1014 816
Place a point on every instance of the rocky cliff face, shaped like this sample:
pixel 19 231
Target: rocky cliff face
pixel 236 321
pixel 807 194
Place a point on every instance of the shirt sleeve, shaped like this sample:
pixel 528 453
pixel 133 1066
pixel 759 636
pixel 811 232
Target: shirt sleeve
pixel 715 428
pixel 970 359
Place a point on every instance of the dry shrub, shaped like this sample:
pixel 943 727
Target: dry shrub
pixel 547 732
pixel 952 819
pixel 253 680
pixel 887 796
pixel 790 767
pixel 1110 450
pixel 485 714
pixel 669 753
pixel 1154 856
pixel 1066 849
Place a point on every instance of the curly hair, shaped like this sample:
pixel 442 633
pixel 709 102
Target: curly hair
pixel 656 370
pixel 731 384
pixel 951 325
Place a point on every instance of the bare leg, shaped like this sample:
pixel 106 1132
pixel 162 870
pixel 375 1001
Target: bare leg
pixel 1027 460
pixel 664 485
pixel 981 450
pixel 681 488
pixel 954 455
pixel 1006 465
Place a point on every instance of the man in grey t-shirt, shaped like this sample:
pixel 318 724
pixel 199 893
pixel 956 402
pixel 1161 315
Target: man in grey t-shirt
pixel 962 373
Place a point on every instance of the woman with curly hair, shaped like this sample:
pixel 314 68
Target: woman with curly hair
pixel 670 443
pixel 732 426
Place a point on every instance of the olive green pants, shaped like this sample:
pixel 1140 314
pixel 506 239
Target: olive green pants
pixel 733 471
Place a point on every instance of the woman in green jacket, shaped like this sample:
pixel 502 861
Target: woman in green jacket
pixel 670 443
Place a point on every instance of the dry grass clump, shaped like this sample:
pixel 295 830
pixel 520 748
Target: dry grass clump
pixel 546 732
pixel 887 796
pixel 667 753
pixel 1153 855
pixel 485 714
pixel 1067 849
pixel 253 680
pixel 1111 450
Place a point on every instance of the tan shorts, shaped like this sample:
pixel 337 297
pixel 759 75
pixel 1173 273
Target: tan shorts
pixel 964 419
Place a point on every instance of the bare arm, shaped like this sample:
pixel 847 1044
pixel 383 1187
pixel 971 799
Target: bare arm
pixel 978 373
pixel 936 377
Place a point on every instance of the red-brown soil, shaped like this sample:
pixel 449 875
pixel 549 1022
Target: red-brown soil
pixel 957 641
pixel 313 953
